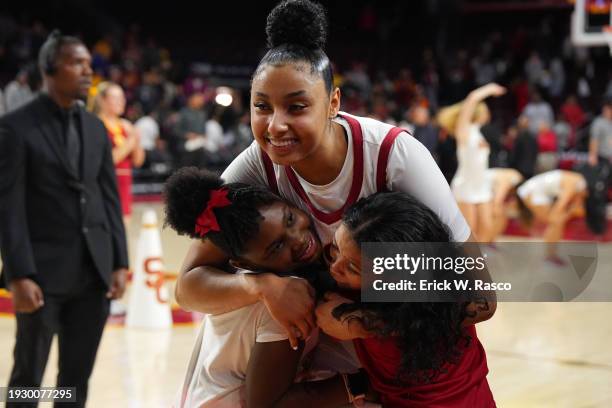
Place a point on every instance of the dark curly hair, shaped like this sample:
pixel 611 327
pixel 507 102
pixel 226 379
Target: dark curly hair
pixel 186 194
pixel 296 31
pixel 428 334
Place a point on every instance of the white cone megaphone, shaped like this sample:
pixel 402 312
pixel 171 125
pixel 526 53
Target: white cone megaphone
pixel 149 305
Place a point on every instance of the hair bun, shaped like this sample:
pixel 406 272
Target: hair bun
pixel 186 194
pixel 299 22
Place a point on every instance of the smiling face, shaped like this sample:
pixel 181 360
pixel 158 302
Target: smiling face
pixel 290 111
pixel 286 241
pixel 345 259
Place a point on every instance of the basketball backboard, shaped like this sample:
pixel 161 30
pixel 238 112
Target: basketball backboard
pixel 592 23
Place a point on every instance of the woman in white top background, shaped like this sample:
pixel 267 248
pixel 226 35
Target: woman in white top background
pixel 470 186
pixel 552 198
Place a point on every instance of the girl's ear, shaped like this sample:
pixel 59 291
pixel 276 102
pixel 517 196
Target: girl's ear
pixel 334 103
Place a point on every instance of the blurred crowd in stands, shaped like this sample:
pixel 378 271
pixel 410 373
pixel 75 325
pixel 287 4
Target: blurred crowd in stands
pixel 556 91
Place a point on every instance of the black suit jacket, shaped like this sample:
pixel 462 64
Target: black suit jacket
pixel 51 216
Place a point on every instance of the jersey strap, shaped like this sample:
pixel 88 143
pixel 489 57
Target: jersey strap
pixel 270 175
pixel 332 217
pixel 383 158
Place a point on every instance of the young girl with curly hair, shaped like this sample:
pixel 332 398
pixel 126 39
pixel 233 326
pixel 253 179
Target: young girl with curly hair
pixel 416 354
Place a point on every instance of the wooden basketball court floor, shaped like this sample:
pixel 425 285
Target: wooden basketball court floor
pixel 539 354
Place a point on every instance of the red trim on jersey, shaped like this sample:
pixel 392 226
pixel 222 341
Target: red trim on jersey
pixel 383 158
pixel 270 175
pixel 330 218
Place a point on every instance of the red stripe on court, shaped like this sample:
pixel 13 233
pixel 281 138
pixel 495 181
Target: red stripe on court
pixel 147 198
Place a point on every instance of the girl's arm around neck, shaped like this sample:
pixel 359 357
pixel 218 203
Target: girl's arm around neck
pixel 204 287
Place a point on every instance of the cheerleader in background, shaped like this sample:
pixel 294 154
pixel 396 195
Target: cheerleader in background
pixel 502 182
pixel 469 185
pixel 552 198
pixel 109 105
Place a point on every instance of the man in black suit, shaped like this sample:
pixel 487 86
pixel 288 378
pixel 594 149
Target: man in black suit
pixel 62 239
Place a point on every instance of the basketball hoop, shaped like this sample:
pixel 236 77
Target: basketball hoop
pixel 584 35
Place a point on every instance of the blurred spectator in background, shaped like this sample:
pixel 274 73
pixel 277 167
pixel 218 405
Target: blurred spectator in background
pixel 151 92
pixel 547 139
pixel 563 133
pixel 148 129
pixel 216 145
pixel 534 69
pixel 608 92
pixel 520 91
pixel 404 88
pixel 548 157
pixel 115 74
pixel 573 115
pixel 600 145
pixel 358 78
pixel 524 150
pixel 484 69
pixel 430 80
pixel 381 110
pixel 557 80
pixel 492 132
pixel 538 111
pixel 109 105
pixel 102 54
pixel 2 107
pixel 196 82
pixel 242 134
pixel 151 58
pixel 456 84
pixel 103 49
pixel 130 79
pixel 155 147
pixel 422 128
pixel 191 132
pixel 17 93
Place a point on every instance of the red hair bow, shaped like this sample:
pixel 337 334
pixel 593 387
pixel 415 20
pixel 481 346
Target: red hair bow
pixel 207 221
